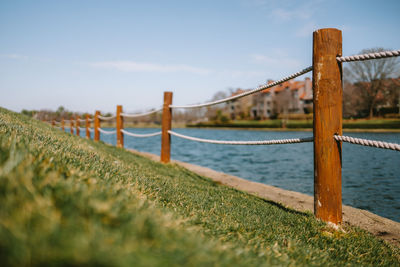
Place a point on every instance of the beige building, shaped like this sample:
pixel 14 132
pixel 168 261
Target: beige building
pixel 291 97
pixel 239 108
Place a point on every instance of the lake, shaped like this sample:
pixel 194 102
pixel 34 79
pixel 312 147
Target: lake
pixel 370 176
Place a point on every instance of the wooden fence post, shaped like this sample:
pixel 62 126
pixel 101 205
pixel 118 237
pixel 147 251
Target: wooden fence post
pixel 53 123
pixel 87 126
pixel 327 95
pixel 78 124
pixel 96 126
pixel 71 123
pixel 165 127
pixel 120 126
pixel 63 124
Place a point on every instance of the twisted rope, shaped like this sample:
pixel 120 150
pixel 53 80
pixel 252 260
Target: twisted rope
pixel 91 130
pixel 82 120
pixel 107 132
pixel 258 89
pixel 82 129
pixel 127 115
pixel 140 135
pixel 366 142
pixel 383 54
pixel 263 142
pixel 106 118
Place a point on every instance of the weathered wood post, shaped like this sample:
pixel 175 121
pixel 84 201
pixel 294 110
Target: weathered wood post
pixel 87 126
pixel 71 123
pixel 327 95
pixel 63 124
pixel 165 127
pixel 78 124
pixel 96 126
pixel 53 123
pixel 120 126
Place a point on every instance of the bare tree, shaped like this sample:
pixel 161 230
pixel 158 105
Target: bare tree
pixel 212 111
pixel 370 78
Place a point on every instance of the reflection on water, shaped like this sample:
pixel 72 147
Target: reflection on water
pixel 370 176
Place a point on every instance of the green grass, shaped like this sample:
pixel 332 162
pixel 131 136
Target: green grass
pixel 304 124
pixel 372 124
pixel 69 201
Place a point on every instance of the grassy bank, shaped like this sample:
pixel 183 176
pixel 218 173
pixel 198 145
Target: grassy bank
pixel 304 124
pixel 69 201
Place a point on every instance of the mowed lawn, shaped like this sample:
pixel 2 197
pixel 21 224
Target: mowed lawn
pixel 65 200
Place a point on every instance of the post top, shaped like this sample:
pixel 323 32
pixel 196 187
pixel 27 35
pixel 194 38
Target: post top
pixel 327 29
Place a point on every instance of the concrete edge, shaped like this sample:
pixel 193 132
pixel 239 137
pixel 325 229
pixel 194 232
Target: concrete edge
pixel 381 227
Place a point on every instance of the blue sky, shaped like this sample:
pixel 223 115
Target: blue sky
pixel 87 55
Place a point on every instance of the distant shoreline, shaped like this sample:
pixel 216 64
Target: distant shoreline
pixel 362 125
pixel 258 129
pixel 298 129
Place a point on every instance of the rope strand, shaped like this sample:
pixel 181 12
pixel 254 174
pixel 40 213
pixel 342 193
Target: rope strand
pixel 107 132
pixel 106 118
pixel 263 142
pixel 366 142
pixel 140 135
pixel 258 89
pixel 127 115
pixel 383 54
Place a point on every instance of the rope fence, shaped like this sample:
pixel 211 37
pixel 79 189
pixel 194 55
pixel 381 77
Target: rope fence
pixel 127 115
pixel 226 142
pixel 368 56
pixel 258 89
pixel 141 135
pixel 366 142
pixel 106 118
pixel 327 100
pixel 107 132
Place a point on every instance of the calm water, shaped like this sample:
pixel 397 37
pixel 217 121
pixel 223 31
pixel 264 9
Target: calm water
pixel 370 176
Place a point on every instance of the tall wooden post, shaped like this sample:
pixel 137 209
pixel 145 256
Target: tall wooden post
pixel 96 126
pixel 87 126
pixel 165 127
pixel 78 124
pixel 327 94
pixel 71 122
pixel 62 124
pixel 53 123
pixel 120 126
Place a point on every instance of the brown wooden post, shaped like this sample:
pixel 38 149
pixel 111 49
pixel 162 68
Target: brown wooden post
pixel 327 94
pixel 87 126
pixel 120 126
pixel 78 124
pixel 53 123
pixel 62 124
pixel 165 127
pixel 96 126
pixel 71 122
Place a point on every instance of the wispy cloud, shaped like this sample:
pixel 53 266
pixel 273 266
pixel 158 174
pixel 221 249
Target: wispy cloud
pixel 292 14
pixel 133 66
pixel 280 60
pixel 13 56
pixel 306 29
pixel 241 74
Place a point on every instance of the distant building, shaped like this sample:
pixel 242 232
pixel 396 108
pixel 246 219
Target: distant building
pixel 291 97
pixel 239 108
